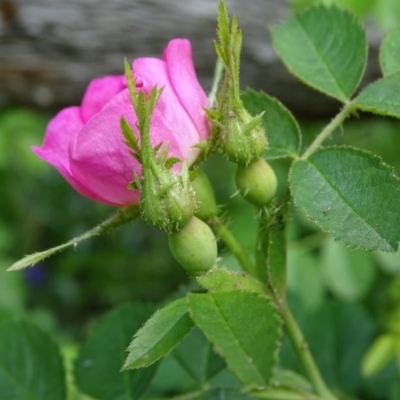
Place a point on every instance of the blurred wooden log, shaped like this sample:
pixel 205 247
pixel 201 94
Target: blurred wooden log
pixel 51 49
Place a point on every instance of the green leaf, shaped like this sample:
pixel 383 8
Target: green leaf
pixel 381 97
pixel 326 48
pixel 290 379
pixel 387 13
pixel 305 285
pixel 389 262
pixel 159 335
pixel 221 280
pixel 31 367
pixel 12 289
pixel 97 369
pixel 226 393
pixel 379 354
pixel 389 55
pixel 338 335
pixel 349 274
pixel 196 356
pixel 244 328
pixel 282 130
pixel 359 7
pixel 352 194
pixel 223 26
pixel 286 394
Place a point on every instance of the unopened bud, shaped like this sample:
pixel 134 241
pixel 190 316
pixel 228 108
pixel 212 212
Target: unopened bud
pixel 243 137
pixel 168 200
pixel 194 247
pixel 256 182
pixel 205 196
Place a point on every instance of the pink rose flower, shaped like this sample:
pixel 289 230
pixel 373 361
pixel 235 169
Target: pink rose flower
pixel 85 143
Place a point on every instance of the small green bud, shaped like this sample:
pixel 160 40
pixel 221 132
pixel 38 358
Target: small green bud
pixel 194 247
pixel 205 196
pixel 256 182
pixel 242 137
pixel 168 200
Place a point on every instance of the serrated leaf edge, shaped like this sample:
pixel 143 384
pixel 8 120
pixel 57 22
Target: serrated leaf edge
pixel 260 94
pixel 279 332
pixel 374 110
pixel 316 223
pixel 360 25
pixel 128 365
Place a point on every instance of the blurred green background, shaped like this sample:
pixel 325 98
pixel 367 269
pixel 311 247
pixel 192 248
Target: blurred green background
pixel 343 299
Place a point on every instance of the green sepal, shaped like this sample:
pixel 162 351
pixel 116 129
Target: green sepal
pixel 241 137
pixel 170 162
pixel 167 199
pixel 130 139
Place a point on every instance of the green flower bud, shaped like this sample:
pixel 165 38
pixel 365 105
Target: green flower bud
pixel 256 182
pixel 205 196
pixel 243 137
pixel 169 201
pixel 167 198
pixel 194 247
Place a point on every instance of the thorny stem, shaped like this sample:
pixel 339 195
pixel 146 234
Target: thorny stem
pixel 327 131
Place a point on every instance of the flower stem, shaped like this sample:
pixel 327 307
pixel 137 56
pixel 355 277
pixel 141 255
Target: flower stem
pixel 327 131
pixel 304 354
pixel 292 328
pixel 218 72
pixel 234 246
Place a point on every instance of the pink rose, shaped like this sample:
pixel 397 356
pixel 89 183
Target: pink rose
pixel 87 147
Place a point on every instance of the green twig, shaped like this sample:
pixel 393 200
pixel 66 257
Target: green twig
pixel 327 131
pixel 234 246
pixel 303 352
pixel 218 72
pixel 271 245
pixel 122 216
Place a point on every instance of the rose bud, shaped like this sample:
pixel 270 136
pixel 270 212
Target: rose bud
pixel 194 247
pixel 205 196
pixel 84 143
pixel 242 137
pixel 256 182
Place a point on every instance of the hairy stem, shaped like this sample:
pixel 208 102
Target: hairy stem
pixel 327 131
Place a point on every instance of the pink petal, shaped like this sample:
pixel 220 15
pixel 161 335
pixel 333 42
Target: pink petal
pixel 178 128
pixel 98 93
pixel 61 130
pixel 182 75
pixel 101 159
